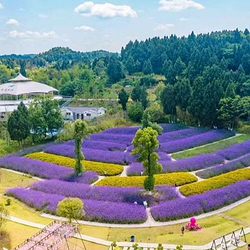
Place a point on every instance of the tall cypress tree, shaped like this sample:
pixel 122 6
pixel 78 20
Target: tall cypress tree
pixel 81 131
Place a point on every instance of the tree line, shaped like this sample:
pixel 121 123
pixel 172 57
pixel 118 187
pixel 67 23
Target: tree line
pixel 40 120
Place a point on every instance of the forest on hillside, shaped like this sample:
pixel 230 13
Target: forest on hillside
pixel 205 76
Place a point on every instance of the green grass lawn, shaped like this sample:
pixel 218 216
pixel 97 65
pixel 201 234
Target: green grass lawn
pixel 211 148
pixel 9 180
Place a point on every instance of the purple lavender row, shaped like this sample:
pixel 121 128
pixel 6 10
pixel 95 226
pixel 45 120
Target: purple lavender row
pixel 110 212
pixel 89 154
pixel 44 169
pixel 169 127
pixel 235 151
pixel 202 203
pixel 195 141
pixel 238 163
pixel 114 194
pixel 180 134
pixel 101 145
pixel 122 130
pixel 117 138
pixel 182 165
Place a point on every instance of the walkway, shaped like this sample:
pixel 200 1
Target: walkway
pixel 121 244
pixel 208 144
pixel 150 222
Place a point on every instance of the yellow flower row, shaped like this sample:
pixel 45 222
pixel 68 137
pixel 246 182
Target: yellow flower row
pixel 160 179
pixel 99 167
pixel 216 182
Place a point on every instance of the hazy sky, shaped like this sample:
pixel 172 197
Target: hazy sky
pixel 32 26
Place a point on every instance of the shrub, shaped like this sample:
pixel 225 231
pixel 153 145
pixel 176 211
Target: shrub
pixel 160 179
pixel 135 111
pixel 71 208
pixel 216 182
pixel 100 168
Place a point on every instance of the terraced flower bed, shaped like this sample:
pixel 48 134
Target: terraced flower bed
pixel 215 182
pixel 119 199
pixel 110 212
pixel 44 169
pixel 201 203
pixel 99 167
pixel 137 181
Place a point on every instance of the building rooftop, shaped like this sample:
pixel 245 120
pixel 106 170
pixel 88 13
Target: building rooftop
pixel 82 109
pixel 22 85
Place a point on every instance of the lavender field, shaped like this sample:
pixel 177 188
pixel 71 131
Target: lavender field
pixel 122 202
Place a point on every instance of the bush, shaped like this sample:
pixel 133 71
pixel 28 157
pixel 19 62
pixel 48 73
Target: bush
pixel 135 111
pixel 216 182
pixel 160 179
pixel 99 167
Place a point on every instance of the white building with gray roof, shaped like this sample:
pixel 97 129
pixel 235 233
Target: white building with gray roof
pixel 83 113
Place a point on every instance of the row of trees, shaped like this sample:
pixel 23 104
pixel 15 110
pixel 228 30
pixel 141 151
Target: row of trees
pixel 41 119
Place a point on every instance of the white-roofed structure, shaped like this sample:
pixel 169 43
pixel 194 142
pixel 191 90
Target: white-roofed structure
pixel 24 86
pixel 20 89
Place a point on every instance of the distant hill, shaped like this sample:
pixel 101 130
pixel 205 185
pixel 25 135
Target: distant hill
pixel 60 56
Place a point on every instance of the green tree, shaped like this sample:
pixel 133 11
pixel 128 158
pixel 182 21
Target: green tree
pixel 155 112
pixel 123 98
pixel 179 67
pixel 37 120
pixel 80 132
pixel 135 111
pixel 229 111
pixel 196 107
pixel 130 65
pixel 230 90
pixel 114 70
pixel 147 67
pixel 45 116
pixel 213 94
pixel 147 122
pixel 158 90
pixel 182 93
pixel 145 143
pixel 144 98
pixel 70 208
pixel 22 68
pixel 18 124
pixel 168 101
pixel 53 115
pixel 136 93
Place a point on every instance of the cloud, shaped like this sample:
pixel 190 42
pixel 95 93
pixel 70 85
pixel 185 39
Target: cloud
pixel 183 19
pixel 165 26
pixel 85 28
pixel 12 22
pixel 1 6
pixel 32 34
pixel 106 10
pixel 42 16
pixel 179 5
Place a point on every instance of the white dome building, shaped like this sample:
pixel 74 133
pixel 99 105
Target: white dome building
pixel 21 89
